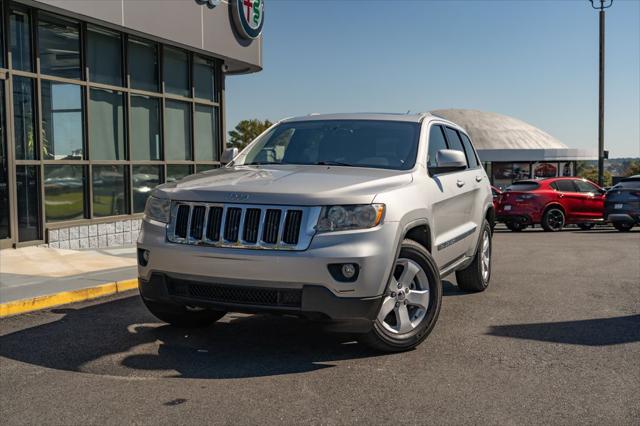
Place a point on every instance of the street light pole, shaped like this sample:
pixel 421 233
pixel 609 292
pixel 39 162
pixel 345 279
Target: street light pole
pixel 604 4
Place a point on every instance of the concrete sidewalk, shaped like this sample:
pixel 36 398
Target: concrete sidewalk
pixel 30 276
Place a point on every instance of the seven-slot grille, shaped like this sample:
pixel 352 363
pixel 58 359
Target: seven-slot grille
pixel 237 225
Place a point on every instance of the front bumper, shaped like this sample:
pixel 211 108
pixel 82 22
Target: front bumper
pixel 373 250
pixel 349 315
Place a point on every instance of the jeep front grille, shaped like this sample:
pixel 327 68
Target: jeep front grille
pixel 242 226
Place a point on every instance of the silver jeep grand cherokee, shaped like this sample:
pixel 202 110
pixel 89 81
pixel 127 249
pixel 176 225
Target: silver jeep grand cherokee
pixel 351 218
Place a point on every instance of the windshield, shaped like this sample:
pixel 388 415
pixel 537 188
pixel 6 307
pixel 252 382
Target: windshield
pixel 633 183
pixel 354 143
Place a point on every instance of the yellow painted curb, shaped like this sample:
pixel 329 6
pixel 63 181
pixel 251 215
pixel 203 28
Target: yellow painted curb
pixel 43 302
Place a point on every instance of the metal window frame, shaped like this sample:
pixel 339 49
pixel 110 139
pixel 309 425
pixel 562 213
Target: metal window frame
pixel 6 77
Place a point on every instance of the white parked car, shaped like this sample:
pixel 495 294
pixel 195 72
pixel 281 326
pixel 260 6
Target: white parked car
pixel 351 218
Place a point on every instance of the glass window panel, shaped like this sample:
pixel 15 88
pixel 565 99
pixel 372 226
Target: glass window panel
pixel 62 131
pixel 436 143
pixel 521 171
pixel 64 192
pixel 145 128
pixel 468 150
pixel 178 130
pixel 106 124
pixel 204 78
pixel 59 48
pixel 206 137
pixel 109 191
pixel 24 118
pixel 453 139
pixel 20 28
pixel 145 178
pixel 4 174
pixel 143 65
pixel 176 72
pixel 64 189
pixel 104 57
pixel 177 171
pixel 28 190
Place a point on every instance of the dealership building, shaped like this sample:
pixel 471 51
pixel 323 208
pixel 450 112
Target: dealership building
pixel 511 149
pixel 101 100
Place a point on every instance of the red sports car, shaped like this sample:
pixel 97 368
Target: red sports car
pixel 496 197
pixel 551 202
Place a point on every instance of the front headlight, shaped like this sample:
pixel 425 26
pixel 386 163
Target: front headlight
pixel 340 218
pixel 158 209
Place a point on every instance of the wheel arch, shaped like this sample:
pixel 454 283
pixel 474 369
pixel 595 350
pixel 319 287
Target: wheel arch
pixel 552 205
pixel 420 232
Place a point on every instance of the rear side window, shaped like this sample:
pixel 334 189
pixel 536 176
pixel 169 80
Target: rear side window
pixel 453 139
pixel 585 186
pixel 523 186
pixel 436 143
pixel 472 160
pixel 564 186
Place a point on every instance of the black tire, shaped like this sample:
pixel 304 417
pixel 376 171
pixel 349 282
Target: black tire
pixel 586 226
pixel 516 226
pixel 472 278
pixel 382 339
pixel 623 227
pixel 553 219
pixel 181 316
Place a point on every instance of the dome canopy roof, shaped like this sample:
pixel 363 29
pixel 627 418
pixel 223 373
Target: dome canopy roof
pixel 489 130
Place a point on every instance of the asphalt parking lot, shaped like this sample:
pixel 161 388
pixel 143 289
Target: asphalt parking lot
pixel 555 339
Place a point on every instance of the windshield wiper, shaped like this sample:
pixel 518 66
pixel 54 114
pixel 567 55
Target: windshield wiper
pixel 331 163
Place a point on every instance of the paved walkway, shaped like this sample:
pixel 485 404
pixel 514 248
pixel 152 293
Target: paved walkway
pixel 36 271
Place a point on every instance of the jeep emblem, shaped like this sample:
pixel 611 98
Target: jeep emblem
pixel 236 196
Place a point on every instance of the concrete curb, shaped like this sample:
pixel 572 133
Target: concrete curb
pixel 43 302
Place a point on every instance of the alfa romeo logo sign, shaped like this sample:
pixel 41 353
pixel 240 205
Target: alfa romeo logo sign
pixel 248 16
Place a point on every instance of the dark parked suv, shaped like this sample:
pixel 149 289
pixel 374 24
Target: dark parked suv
pixel 552 202
pixel 622 204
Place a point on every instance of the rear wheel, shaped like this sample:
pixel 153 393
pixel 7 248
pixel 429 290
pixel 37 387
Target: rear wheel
pixel 477 275
pixel 586 226
pixel 411 304
pixel 182 316
pixel 516 226
pixel 623 227
pixel 553 220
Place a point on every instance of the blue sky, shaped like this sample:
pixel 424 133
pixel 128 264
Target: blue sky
pixel 536 60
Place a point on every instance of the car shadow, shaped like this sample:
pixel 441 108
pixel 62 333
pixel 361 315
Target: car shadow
pixel 120 337
pixel 592 332
pixel 450 289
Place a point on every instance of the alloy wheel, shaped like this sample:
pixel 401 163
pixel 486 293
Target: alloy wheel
pixel 407 300
pixel 555 219
pixel 485 256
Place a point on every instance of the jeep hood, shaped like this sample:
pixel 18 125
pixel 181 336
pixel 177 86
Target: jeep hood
pixel 286 185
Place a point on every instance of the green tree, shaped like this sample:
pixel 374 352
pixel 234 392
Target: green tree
pixel 633 168
pixel 246 131
pixel 591 173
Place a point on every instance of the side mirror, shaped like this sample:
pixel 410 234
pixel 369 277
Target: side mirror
pixel 449 160
pixel 228 155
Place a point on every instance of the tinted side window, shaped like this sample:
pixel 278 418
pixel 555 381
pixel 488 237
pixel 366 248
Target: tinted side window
pixel 585 186
pixel 453 139
pixel 436 143
pixel 564 186
pixel 468 149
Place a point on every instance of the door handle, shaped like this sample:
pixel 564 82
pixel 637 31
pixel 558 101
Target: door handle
pixel 478 178
pixel 460 183
pixel 561 196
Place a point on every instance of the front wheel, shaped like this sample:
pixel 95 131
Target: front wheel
pixel 182 316
pixel 553 220
pixel 623 227
pixel 476 276
pixel 411 303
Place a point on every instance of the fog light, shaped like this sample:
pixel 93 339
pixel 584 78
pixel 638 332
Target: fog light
pixel 143 257
pixel 348 270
